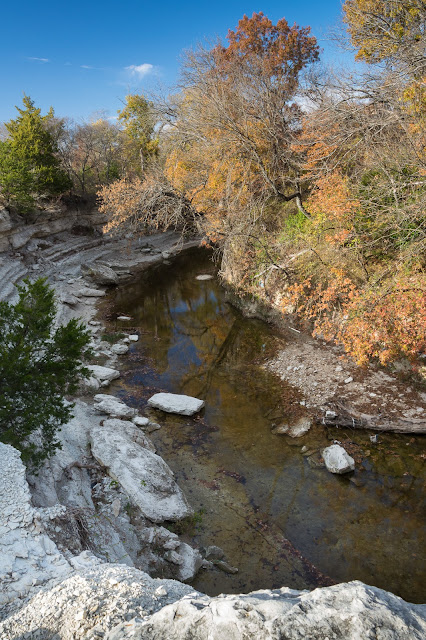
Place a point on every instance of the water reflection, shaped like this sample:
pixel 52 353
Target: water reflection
pixel 257 490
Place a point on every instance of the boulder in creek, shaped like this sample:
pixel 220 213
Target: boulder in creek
pixel 187 560
pixel 89 385
pixel 144 476
pixel 175 403
pixel 337 460
pixel 119 349
pixel 295 430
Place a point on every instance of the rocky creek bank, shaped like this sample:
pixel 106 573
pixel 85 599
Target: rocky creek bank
pixel 80 540
pixel 334 390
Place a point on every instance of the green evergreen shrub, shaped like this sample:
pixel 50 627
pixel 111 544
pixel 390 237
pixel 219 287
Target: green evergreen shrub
pixel 39 365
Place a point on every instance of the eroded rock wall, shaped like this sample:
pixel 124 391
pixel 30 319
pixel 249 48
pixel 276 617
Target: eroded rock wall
pixel 17 231
pixel 28 557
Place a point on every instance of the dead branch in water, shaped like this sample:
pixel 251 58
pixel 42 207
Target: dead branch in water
pixel 340 415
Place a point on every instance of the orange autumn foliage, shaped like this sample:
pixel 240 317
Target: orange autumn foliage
pixel 383 322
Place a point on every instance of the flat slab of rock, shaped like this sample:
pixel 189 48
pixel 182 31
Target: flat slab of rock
pixel 175 403
pixel 337 460
pixel 132 432
pixel 103 373
pixel 68 298
pixel 91 293
pixel 143 475
pixel 113 407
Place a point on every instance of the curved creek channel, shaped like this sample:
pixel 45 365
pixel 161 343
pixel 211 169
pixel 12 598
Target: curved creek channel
pixel 280 518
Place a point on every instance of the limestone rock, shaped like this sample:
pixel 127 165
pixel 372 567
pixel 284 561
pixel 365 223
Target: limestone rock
pixel 112 406
pixel 337 460
pixel 175 403
pixel 134 337
pixel 115 507
pixel 28 557
pixel 20 238
pixel 90 385
pixel 103 373
pixel 143 475
pixel 91 293
pixel 214 552
pixel 132 432
pixel 140 421
pixel 348 611
pixel 5 221
pixel 89 603
pixel 204 276
pixel 119 349
pixel 69 299
pixel 295 430
pixel 4 244
pixel 101 274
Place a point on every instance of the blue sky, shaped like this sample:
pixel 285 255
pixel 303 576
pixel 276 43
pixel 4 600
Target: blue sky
pixel 82 57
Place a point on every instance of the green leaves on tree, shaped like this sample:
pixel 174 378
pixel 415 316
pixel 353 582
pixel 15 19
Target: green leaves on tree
pixel 29 167
pixel 38 367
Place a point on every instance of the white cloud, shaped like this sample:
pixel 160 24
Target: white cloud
pixel 141 70
pixel 38 59
pixel 86 66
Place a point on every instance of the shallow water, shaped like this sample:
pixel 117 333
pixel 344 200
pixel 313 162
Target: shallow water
pixel 280 519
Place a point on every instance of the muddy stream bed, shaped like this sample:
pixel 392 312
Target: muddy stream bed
pixel 281 518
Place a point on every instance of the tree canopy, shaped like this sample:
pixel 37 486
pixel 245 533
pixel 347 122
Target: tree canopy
pixel 138 121
pixel 29 165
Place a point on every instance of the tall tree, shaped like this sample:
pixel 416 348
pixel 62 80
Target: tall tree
pixel 92 153
pixel 236 122
pixel 137 118
pixel 29 166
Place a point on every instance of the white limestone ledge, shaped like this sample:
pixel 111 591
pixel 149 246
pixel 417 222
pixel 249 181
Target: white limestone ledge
pixel 28 557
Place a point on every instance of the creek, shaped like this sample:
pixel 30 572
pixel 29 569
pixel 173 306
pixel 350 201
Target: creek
pixel 280 517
